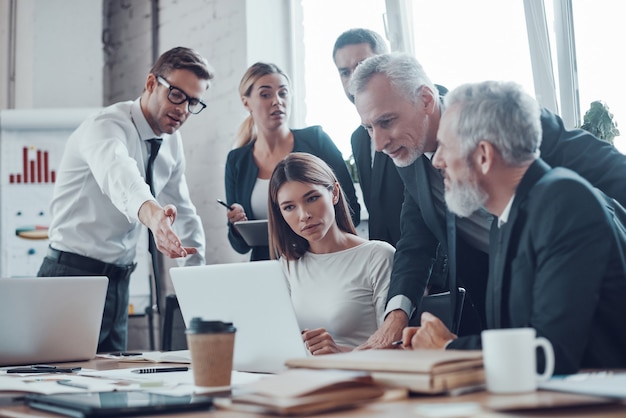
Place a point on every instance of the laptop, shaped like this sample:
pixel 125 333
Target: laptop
pixel 254 297
pixel 254 232
pixel 50 319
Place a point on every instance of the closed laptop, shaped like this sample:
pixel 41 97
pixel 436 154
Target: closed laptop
pixel 50 319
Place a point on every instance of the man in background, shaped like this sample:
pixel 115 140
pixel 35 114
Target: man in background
pixel 557 248
pixel 382 187
pixel 401 109
pixel 124 167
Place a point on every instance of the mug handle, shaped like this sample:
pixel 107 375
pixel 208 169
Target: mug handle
pixel 545 344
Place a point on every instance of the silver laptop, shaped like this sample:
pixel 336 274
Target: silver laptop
pixel 50 319
pixel 254 297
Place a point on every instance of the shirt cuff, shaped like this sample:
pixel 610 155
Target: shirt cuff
pixel 400 302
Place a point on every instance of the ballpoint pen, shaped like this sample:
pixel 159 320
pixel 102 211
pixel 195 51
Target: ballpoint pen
pixel 221 202
pixel 161 370
pixel 44 369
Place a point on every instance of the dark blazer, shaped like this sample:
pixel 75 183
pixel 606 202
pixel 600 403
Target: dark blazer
pixel 557 265
pixel 424 239
pixel 382 187
pixel 241 174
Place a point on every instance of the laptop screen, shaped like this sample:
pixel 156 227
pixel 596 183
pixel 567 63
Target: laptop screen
pixel 50 319
pixel 254 297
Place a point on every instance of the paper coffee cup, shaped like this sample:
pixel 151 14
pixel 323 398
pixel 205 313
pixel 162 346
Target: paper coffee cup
pixel 211 344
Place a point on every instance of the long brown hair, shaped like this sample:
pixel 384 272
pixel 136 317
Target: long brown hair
pixel 309 169
pixel 247 130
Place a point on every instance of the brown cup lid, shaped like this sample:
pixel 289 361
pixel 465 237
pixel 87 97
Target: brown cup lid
pixel 200 326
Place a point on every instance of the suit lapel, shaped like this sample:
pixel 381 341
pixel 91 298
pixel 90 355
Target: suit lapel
pixel 378 170
pixel 425 200
pixel 499 243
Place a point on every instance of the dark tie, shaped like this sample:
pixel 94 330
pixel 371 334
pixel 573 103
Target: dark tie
pixel 155 144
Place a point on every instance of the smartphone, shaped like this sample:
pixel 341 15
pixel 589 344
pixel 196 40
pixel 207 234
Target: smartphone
pixel 116 404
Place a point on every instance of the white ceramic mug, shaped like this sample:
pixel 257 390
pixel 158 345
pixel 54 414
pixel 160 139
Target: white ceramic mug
pixel 510 359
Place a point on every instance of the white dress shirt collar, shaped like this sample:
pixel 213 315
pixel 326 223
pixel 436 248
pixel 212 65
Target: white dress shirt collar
pixel 141 123
pixel 504 216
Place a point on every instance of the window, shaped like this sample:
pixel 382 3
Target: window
pixel 325 101
pixel 460 41
pixel 598 27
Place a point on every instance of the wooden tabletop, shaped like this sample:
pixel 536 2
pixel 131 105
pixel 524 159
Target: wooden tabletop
pixel 475 404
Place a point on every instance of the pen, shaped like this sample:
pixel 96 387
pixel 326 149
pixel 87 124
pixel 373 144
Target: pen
pixel 161 370
pixel 221 202
pixel 125 354
pixel 399 342
pixel 43 369
pixel 67 382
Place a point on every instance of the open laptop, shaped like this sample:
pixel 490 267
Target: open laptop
pixel 50 319
pixel 254 297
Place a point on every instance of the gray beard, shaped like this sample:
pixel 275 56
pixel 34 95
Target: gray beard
pixel 465 199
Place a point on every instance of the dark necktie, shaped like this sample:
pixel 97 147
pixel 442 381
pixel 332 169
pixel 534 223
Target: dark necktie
pixel 155 144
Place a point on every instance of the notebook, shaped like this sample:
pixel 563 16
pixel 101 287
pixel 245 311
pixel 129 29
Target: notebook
pixel 254 297
pixel 254 232
pixel 50 319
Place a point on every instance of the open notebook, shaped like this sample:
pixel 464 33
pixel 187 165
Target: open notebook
pixel 254 297
pixel 50 319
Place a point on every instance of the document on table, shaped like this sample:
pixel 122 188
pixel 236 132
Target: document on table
pixel 71 382
pixel 178 356
pixel 173 383
pixel 607 384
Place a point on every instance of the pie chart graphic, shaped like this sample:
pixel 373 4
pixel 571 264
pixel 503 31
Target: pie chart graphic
pixel 34 232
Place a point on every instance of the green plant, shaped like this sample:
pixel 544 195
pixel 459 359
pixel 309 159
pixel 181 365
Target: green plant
pixel 351 163
pixel 599 121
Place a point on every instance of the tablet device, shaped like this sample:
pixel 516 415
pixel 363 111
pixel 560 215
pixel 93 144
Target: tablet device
pixel 253 232
pixel 116 404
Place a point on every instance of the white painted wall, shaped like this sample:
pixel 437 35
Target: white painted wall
pixel 59 55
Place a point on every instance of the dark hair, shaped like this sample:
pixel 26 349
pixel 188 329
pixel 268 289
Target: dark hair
pixel 357 36
pixel 247 132
pixel 181 58
pixel 309 169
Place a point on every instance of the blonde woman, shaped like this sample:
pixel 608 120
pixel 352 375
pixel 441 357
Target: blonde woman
pixel 264 139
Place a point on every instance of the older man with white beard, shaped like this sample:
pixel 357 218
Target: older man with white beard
pixel 557 253
pixel 401 109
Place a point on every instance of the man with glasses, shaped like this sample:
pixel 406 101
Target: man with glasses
pixel 124 167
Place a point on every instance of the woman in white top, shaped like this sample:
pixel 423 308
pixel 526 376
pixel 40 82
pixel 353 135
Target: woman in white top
pixel 338 281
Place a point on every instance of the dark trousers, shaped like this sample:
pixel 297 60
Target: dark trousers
pixel 114 327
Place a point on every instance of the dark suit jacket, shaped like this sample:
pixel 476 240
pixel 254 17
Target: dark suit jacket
pixel 558 266
pixel 424 239
pixel 242 172
pixel 382 187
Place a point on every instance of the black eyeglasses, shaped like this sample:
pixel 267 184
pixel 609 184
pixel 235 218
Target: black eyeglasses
pixel 177 96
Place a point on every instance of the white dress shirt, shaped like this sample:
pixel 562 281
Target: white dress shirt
pixel 100 187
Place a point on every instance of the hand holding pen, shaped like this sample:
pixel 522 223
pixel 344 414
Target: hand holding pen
pixel 235 213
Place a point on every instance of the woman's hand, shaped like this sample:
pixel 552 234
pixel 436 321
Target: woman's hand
pixel 318 341
pixel 236 214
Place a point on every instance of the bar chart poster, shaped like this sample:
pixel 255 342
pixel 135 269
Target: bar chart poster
pixel 35 167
